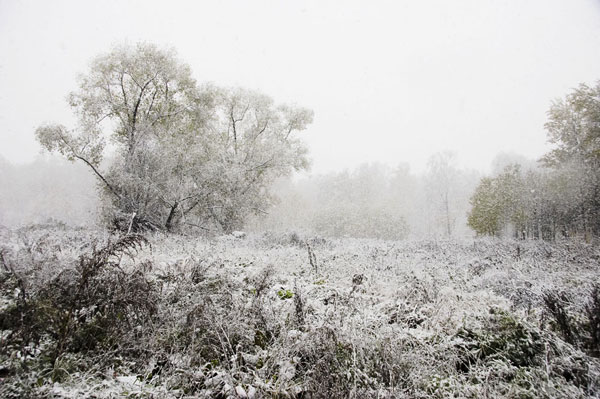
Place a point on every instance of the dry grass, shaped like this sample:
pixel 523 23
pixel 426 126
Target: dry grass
pixel 255 317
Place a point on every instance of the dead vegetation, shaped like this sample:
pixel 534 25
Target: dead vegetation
pixel 87 315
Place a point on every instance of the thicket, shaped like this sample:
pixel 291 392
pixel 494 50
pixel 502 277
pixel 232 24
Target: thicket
pixel 561 200
pixel 292 316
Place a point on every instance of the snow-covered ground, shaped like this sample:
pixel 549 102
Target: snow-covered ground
pixel 282 315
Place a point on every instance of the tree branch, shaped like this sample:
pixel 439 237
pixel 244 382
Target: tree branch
pixel 80 157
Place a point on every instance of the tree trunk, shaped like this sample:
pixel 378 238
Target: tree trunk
pixel 448 229
pixel 169 222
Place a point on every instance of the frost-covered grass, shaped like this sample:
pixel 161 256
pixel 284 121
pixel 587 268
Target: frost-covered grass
pixel 258 317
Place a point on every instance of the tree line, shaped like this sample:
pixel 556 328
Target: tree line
pixel 377 201
pixel 562 197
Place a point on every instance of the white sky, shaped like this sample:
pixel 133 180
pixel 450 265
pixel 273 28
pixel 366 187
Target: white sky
pixel 389 81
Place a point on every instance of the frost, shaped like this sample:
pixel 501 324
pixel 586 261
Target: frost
pixel 377 317
pixel 241 392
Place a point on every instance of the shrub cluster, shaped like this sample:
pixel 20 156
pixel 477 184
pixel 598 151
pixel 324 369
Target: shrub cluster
pixel 237 318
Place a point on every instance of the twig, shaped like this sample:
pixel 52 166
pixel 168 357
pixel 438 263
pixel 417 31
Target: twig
pixel 312 258
pixel 131 223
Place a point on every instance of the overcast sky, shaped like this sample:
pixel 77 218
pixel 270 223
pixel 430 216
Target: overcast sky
pixel 389 81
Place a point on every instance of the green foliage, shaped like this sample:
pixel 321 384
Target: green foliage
pixel 504 338
pixel 574 128
pixel 485 213
pixel 563 200
pixel 498 202
pixel 285 294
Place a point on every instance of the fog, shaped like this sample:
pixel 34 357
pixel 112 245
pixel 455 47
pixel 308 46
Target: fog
pixel 372 200
pixel 413 102
pixel 376 201
pixel 389 82
pixel 50 189
pixel 301 199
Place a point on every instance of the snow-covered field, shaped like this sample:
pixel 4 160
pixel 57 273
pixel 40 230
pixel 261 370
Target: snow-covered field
pixel 86 314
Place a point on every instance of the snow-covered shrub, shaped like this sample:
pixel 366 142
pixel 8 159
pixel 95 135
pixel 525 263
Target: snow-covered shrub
pixel 577 325
pixel 503 338
pixel 253 318
pixel 89 307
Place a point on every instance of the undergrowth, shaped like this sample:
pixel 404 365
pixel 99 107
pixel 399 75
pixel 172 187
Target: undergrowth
pixel 95 315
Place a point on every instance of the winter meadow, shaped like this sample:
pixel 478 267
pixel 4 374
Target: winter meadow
pixel 178 235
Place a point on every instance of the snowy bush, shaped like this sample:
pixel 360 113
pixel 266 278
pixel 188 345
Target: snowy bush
pixel 170 317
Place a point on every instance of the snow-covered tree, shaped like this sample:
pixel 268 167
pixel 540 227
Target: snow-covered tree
pixel 441 179
pixel 182 152
pixel 574 129
pixel 485 214
pixel 564 198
